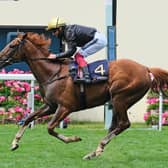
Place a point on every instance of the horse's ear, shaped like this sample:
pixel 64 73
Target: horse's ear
pixel 24 36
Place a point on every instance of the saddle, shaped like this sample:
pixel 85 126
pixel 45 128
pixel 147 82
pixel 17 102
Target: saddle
pixel 98 71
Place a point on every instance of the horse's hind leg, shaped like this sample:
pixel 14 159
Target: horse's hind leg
pixel 119 124
pixel 43 111
pixel 59 115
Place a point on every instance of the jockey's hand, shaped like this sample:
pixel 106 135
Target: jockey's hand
pixel 52 56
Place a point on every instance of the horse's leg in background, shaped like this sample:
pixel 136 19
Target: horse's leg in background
pixel 113 124
pixel 121 101
pixel 119 124
pixel 43 111
pixel 59 115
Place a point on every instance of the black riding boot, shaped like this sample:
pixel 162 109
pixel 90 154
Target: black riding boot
pixel 86 76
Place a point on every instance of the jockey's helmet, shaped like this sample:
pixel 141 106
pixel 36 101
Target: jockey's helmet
pixel 55 23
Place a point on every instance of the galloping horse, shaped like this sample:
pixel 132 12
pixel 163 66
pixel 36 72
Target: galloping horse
pixel 127 83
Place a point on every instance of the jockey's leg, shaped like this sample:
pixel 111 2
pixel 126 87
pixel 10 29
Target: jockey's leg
pixel 83 65
pixel 97 43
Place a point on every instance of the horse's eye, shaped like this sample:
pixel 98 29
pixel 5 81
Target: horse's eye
pixel 12 46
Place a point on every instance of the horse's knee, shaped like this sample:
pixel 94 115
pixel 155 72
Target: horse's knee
pixel 125 125
pixel 128 124
pixel 27 121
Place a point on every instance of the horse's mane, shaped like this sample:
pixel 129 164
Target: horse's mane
pixel 40 41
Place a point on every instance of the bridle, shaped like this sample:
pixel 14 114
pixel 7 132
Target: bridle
pixel 9 60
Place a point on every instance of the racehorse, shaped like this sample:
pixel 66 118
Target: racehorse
pixel 128 81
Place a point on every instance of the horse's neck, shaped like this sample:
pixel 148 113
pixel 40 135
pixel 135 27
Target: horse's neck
pixel 41 69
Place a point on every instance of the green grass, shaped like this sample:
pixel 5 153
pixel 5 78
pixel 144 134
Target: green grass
pixel 135 148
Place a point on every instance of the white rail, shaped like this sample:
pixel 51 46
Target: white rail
pixel 17 77
pixel 30 96
pixel 28 77
pixel 160 110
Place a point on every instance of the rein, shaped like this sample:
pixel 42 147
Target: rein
pixel 9 60
pixel 55 76
pixel 42 58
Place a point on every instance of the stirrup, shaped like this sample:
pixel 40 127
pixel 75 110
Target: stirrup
pixel 87 80
pixel 83 80
pixel 101 78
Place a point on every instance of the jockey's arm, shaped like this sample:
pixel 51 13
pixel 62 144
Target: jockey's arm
pixel 71 50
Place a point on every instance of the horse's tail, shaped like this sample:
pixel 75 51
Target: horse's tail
pixel 160 81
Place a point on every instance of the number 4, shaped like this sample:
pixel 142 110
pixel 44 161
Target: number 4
pixel 100 69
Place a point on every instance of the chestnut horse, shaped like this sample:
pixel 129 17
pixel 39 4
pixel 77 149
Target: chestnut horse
pixel 128 82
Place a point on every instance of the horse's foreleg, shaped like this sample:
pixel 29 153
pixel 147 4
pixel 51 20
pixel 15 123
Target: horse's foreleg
pixel 59 115
pixel 119 124
pixel 45 110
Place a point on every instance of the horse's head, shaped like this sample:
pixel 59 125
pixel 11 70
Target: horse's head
pixel 10 53
pixel 23 47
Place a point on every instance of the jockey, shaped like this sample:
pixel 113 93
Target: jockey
pixel 87 38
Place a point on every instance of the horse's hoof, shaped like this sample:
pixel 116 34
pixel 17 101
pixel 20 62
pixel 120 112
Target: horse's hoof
pixel 86 157
pixel 78 138
pixel 73 139
pixel 14 147
pixel 89 156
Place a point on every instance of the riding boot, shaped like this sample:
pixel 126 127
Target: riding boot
pixel 86 76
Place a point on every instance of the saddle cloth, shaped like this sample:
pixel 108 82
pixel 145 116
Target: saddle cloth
pixel 98 70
